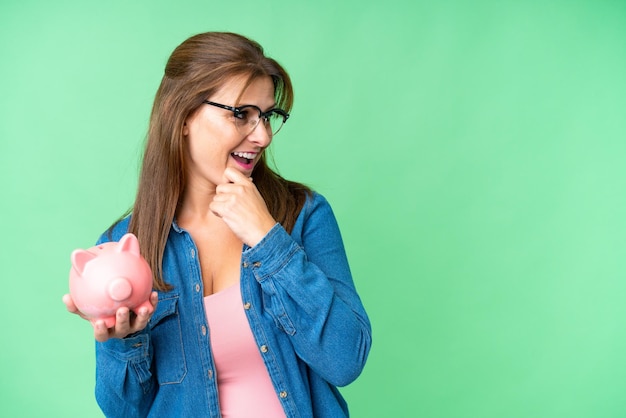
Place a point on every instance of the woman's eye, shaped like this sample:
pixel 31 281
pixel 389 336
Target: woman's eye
pixel 241 115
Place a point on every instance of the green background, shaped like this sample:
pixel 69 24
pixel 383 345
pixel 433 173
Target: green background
pixel 473 151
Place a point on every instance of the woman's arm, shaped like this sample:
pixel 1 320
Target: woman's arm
pixel 125 386
pixel 309 291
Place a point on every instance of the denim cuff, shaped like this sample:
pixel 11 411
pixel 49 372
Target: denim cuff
pixel 134 347
pixel 271 253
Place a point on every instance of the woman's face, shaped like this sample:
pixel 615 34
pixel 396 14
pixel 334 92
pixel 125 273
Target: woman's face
pixel 214 143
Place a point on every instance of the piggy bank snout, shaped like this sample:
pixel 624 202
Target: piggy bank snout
pixel 120 289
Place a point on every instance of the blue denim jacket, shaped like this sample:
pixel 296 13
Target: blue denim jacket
pixel 297 292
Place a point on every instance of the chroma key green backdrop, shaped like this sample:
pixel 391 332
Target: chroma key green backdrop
pixel 474 153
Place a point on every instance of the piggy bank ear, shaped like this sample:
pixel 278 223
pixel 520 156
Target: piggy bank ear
pixel 80 258
pixel 129 243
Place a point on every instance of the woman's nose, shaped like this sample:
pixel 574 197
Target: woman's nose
pixel 261 135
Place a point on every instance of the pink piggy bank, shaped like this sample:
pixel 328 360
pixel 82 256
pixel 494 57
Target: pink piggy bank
pixel 109 276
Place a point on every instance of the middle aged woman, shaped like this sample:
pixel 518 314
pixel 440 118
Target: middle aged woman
pixel 257 313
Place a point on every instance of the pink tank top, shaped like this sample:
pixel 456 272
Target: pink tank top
pixel 244 385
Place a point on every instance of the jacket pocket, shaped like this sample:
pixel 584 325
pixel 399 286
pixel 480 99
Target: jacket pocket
pixel 167 342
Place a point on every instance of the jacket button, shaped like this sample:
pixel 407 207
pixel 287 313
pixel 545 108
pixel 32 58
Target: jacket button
pixel 197 287
pixel 246 305
pixel 203 330
pixel 245 264
pixel 257 264
pixel 283 394
pixel 264 349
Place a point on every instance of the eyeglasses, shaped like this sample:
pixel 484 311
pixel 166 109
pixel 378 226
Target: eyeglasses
pixel 247 118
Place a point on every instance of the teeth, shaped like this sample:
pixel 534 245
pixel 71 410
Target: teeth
pixel 248 155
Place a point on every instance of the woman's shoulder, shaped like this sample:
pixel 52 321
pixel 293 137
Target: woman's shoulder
pixel 314 200
pixel 115 231
pixel 316 208
pixel 317 199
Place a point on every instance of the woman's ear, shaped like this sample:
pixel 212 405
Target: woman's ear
pixel 185 129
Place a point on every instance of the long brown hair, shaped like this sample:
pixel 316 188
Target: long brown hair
pixel 196 69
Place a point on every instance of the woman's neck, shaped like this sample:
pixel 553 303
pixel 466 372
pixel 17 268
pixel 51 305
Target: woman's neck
pixel 195 204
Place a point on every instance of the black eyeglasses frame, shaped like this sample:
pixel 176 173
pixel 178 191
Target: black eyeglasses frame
pixel 262 115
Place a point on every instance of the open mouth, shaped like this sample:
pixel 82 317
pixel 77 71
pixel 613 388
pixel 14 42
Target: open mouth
pixel 244 158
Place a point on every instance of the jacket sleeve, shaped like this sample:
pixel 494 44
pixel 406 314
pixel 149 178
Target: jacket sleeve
pixel 124 383
pixel 308 290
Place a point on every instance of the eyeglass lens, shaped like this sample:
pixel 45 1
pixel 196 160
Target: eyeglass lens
pixel 247 120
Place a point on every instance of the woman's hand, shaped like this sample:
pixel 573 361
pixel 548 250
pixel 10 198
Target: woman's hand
pixel 126 322
pixel 241 206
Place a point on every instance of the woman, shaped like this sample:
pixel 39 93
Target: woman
pixel 254 311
